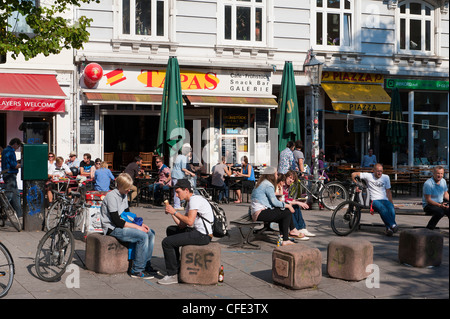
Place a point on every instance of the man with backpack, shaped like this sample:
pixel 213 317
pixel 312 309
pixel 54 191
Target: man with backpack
pixel 190 228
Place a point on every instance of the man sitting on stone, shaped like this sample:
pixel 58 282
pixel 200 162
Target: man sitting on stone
pixel 190 228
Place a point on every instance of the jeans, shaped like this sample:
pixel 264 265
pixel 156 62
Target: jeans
pixel 386 210
pixel 297 218
pixel 144 245
pixel 176 238
pixel 223 191
pixel 157 189
pixel 12 192
pixel 437 213
pixel 281 216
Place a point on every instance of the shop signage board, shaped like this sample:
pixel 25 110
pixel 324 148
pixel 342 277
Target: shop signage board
pixel 212 82
pixel 411 84
pixel 355 91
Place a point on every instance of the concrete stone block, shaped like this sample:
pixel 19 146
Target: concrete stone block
pixel 348 258
pixel 200 264
pixel 420 247
pixel 297 266
pixel 105 254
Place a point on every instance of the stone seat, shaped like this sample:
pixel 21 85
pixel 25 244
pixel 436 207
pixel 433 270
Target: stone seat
pixel 297 266
pixel 200 264
pixel 420 247
pixel 105 254
pixel 348 258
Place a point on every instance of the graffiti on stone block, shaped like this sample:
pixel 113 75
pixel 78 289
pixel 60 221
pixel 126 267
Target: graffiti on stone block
pixel 196 262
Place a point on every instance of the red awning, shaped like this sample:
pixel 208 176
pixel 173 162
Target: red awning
pixel 31 93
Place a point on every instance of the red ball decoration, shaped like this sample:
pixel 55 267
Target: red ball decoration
pixel 93 72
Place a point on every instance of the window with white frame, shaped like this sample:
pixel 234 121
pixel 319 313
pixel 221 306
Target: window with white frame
pixel 415 27
pixel 244 21
pixel 17 23
pixel 333 23
pixel 147 18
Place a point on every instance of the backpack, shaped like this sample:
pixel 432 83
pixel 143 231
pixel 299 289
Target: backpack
pixel 219 224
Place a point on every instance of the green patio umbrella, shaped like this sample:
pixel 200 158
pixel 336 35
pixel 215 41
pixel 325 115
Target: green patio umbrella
pixel 396 130
pixel 287 118
pixel 171 122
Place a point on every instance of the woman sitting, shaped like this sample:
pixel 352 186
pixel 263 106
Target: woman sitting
pixel 267 208
pixel 284 182
pixel 102 176
pixel 249 174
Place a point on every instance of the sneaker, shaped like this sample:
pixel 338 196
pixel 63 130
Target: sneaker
pixel 151 271
pixel 394 228
pixel 307 233
pixel 141 275
pixel 389 232
pixel 168 280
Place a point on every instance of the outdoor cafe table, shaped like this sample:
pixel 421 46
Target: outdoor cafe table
pixel 141 183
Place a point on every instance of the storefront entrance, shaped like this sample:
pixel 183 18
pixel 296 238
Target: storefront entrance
pixel 128 135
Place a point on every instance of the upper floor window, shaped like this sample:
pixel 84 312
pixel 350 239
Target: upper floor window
pixel 145 18
pixel 244 21
pixel 17 21
pixel 333 23
pixel 416 24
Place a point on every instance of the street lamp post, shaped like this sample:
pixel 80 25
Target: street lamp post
pixel 313 68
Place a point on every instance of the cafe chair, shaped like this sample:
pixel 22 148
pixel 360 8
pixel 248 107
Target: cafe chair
pixel 109 159
pixel 147 160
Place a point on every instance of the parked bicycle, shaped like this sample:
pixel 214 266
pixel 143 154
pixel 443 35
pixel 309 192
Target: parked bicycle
pixel 55 250
pixel 7 270
pixel 54 211
pixel 8 212
pixel 347 215
pixel 330 195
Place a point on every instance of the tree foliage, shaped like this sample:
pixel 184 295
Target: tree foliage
pixel 51 32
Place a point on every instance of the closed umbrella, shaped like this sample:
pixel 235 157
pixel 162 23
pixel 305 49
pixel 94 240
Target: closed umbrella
pixel 171 122
pixel 396 130
pixel 287 119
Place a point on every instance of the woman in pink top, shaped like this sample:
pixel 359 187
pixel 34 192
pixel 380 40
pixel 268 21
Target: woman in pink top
pixel 283 184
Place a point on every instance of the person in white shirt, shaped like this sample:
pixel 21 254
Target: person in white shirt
pixel 56 171
pixel 379 186
pixel 192 228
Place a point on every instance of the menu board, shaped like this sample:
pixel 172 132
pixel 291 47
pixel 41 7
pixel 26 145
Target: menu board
pixel 87 124
pixel 262 125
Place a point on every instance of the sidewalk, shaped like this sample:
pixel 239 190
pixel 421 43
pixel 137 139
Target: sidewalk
pixel 248 273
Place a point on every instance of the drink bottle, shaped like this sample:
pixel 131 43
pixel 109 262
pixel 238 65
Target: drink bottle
pixel 221 274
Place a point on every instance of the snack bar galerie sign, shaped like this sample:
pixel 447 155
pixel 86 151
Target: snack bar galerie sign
pixel 210 82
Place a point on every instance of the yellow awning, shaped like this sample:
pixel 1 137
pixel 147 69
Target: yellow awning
pixel 357 97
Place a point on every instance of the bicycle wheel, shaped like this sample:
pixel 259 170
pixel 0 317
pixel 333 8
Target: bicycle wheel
pixel 6 270
pixel 345 218
pixel 53 215
pixel 10 212
pixel 54 253
pixel 332 194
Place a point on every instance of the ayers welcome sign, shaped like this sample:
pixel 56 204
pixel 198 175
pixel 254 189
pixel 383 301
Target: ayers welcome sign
pixel 210 82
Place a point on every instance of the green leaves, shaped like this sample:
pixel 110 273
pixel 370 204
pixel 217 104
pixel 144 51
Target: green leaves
pixel 51 32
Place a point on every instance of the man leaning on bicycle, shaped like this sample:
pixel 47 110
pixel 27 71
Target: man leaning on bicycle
pixel 379 186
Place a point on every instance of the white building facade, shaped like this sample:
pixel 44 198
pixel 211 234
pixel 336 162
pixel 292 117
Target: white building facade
pixel 231 55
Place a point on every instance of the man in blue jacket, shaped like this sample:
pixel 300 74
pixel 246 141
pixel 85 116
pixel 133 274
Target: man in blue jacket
pixel 11 168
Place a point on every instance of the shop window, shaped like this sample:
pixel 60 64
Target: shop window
pixel 416 25
pixel 333 23
pixel 144 18
pixel 243 21
pixel 430 128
